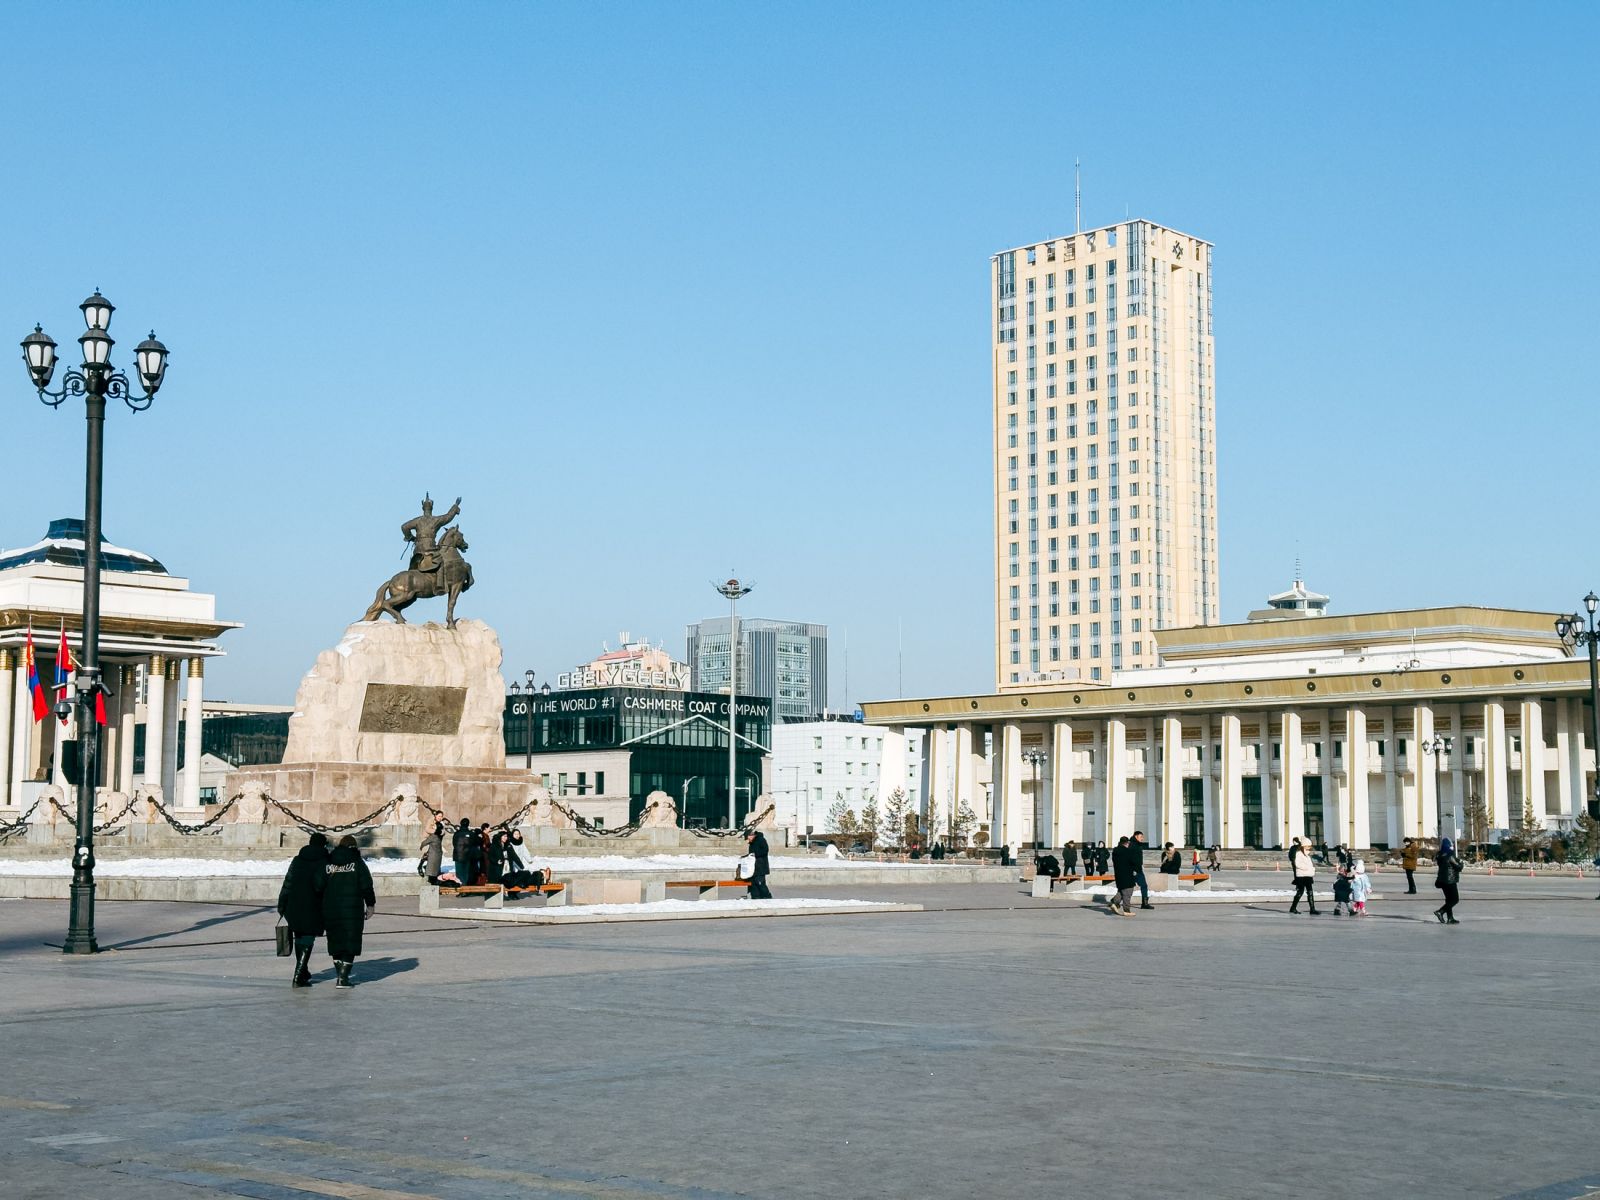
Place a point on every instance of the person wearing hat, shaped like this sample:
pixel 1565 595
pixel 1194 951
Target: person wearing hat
pixel 1305 872
pixel 756 841
pixel 300 904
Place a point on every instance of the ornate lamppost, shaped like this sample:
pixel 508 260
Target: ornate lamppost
pixel 1035 758
pixel 95 380
pixel 1575 631
pixel 733 590
pixel 1438 746
pixel 516 688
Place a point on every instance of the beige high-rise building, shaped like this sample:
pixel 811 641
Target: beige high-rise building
pixel 1105 451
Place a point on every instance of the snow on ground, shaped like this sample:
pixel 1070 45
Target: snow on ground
pixel 721 865
pixel 701 908
pixel 1230 893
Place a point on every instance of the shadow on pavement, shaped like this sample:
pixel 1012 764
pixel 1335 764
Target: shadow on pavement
pixel 369 970
pixel 208 923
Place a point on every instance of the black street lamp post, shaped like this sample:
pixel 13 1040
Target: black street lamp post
pixel 1035 758
pixel 94 381
pixel 532 692
pixel 1576 631
pixel 1438 746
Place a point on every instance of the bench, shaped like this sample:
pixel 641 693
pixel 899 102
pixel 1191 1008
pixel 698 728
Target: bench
pixel 708 889
pixel 1170 883
pixel 1044 885
pixel 494 895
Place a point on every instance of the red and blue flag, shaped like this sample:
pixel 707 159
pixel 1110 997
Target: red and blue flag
pixel 35 688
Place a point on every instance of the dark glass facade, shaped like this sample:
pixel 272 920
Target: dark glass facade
pixel 677 742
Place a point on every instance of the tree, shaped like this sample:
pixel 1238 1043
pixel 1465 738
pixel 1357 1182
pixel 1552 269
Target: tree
pixel 894 819
pixel 1585 837
pixel 841 819
pixel 1477 823
pixel 961 823
pixel 1529 837
pixel 870 823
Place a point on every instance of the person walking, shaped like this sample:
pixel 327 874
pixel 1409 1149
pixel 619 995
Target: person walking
pixel 300 904
pixel 1343 900
pixel 460 842
pixel 1305 873
pixel 347 902
pixel 1139 846
pixel 1409 853
pixel 756 841
pixel 433 853
pixel 1125 865
pixel 1360 887
pixel 1213 863
pixel 1448 881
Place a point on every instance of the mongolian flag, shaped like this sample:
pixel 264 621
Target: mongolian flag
pixel 99 706
pixel 63 668
pixel 35 689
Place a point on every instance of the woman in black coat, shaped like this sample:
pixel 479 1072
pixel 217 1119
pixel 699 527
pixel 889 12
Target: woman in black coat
pixel 300 904
pixel 1102 860
pixel 460 842
pixel 347 901
pixel 496 865
pixel 1069 859
pixel 1125 863
pixel 1448 881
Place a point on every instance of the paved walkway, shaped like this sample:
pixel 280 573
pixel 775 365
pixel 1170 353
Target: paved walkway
pixel 999 1045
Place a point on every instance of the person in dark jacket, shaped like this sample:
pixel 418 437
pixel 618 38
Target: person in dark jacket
pixel 300 904
pixel 495 861
pixel 433 854
pixel 1171 860
pixel 1069 858
pixel 1102 859
pixel 1139 846
pixel 516 871
pixel 1448 881
pixel 757 843
pixel 347 902
pixel 459 843
pixel 1125 865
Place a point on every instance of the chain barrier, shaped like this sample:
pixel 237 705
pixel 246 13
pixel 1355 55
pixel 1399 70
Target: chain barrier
pixel 11 828
pixel 365 822
pixel 588 828
pixel 173 821
pixel 749 824
pixel 104 826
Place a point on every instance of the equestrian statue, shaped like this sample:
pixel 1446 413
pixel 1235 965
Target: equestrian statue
pixel 437 568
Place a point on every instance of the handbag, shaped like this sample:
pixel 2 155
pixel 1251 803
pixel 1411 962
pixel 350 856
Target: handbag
pixel 285 938
pixel 746 867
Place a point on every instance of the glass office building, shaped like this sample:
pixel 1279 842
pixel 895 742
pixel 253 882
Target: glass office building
pixel 784 661
pixel 674 742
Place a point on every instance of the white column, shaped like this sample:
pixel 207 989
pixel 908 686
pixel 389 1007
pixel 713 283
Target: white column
pixel 8 689
pixel 1458 795
pixel 1097 809
pixel 192 717
pixel 1009 788
pixel 1532 719
pixel 1148 811
pixel 106 758
pixel 1171 781
pixel 1231 836
pixel 964 773
pixel 61 732
pixel 127 718
pixel 1494 765
pixel 1291 789
pixel 1271 811
pixel 21 730
pixel 1211 819
pixel 155 720
pixel 1066 815
pixel 1576 795
pixel 1423 820
pixel 934 766
pixel 171 713
pixel 1118 804
pixel 1355 768
pixel 1391 780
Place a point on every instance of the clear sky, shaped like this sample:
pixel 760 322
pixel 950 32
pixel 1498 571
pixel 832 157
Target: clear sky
pixel 669 291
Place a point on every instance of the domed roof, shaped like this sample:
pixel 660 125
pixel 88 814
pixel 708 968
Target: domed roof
pixel 63 545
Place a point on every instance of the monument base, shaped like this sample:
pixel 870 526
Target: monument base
pixel 333 793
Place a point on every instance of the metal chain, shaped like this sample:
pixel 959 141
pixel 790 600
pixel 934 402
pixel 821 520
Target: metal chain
pixel 750 824
pixel 191 829
pixel 108 823
pixel 365 822
pixel 20 825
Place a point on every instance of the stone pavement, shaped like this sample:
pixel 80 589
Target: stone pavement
pixel 996 1045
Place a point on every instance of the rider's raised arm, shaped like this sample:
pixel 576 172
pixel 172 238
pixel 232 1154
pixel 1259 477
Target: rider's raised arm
pixel 455 511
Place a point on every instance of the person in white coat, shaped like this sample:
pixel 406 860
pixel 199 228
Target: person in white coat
pixel 1305 871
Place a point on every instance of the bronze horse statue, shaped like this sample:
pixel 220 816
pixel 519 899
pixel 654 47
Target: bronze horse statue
pixel 452 577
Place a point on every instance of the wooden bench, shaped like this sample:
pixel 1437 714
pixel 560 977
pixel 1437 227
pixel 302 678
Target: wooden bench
pixel 1044 885
pixel 708 889
pixel 1170 883
pixel 494 895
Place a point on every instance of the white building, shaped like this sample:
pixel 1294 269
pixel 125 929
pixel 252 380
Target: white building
pixel 817 763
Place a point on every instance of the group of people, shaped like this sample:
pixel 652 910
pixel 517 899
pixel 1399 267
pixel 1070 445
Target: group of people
pixel 1096 857
pixel 479 856
pixel 1352 886
pixel 326 891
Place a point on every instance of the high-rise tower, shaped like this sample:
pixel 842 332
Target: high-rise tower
pixel 1105 450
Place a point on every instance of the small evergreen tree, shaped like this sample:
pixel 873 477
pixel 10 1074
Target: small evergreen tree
pixel 841 819
pixel 870 823
pixel 961 824
pixel 1529 837
pixel 894 819
pixel 1585 837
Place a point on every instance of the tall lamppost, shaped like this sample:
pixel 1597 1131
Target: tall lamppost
pixel 1438 746
pixel 94 381
pixel 531 692
pixel 1575 631
pixel 1035 757
pixel 733 590
pixel 683 816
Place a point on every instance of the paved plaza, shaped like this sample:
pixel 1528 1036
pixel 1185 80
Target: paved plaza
pixel 994 1045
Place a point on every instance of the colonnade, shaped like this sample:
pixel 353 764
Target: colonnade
pixel 30 750
pixel 1357 775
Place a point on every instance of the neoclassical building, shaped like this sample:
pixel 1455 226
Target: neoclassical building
pixel 155 636
pixel 1360 729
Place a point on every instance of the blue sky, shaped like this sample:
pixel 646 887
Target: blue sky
pixel 668 291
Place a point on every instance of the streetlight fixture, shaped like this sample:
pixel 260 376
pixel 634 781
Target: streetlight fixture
pixel 517 689
pixel 733 590
pixel 1575 631
pixel 1438 746
pixel 683 816
pixel 94 381
pixel 1035 757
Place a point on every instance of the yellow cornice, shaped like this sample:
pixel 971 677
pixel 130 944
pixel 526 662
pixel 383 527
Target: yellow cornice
pixel 15 620
pixel 1379 628
pixel 1450 685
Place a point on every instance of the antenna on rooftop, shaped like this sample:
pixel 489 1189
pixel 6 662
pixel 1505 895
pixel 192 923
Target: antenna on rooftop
pixel 1077 197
